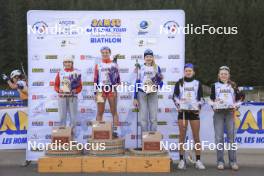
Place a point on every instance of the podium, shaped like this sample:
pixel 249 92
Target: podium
pixel 114 157
pixel 98 164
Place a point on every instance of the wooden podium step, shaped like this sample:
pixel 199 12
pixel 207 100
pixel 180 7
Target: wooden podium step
pixel 104 164
pixel 60 164
pixel 94 164
pixel 148 164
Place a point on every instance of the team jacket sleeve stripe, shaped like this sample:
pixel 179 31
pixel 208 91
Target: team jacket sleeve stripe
pixel 79 88
pixel 57 83
pixel 176 92
pixel 200 92
pixel 212 96
pixel 161 82
pixel 96 77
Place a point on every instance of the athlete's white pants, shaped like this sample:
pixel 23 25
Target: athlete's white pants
pixel 68 104
pixel 148 111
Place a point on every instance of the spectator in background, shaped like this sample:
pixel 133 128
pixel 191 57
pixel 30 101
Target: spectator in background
pixel 17 81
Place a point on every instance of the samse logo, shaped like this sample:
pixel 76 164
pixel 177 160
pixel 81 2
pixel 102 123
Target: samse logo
pixel 18 126
pixel 106 23
pixel 250 124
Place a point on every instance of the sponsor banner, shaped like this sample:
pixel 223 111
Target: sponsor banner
pixel 13 128
pixel 4 94
pixel 14 122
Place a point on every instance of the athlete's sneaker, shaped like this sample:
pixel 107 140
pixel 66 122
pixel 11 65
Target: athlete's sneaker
pixel 199 165
pixel 182 165
pixel 115 135
pixel 234 166
pixel 220 166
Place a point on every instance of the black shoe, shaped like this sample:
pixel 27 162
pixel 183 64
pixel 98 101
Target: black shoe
pixel 115 135
pixel 26 163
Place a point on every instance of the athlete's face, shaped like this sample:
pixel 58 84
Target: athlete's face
pixel 148 59
pixel 188 72
pixel 224 75
pixel 105 54
pixel 68 64
pixel 15 79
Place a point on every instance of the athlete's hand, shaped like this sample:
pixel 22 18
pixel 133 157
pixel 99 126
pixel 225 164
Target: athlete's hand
pixel 216 110
pixel 137 65
pixel 234 109
pixel 95 97
pixel 4 77
pixel 177 105
pixel 74 91
pixel 20 86
pixel 99 97
pixel 135 103
pixel 197 112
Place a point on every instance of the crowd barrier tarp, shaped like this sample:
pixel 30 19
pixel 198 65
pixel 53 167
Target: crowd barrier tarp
pixel 249 125
pixel 13 128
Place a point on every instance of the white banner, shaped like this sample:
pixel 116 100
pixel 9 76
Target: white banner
pixel 249 124
pixel 13 128
pixel 82 34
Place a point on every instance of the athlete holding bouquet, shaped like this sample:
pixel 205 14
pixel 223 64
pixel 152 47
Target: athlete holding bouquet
pixel 149 80
pixel 187 97
pixel 106 78
pixel 68 84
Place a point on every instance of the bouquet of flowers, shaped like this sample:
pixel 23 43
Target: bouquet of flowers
pixel 157 79
pixel 114 75
pixel 75 80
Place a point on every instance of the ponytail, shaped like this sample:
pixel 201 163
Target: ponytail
pixel 181 82
pixel 154 63
pixel 232 83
